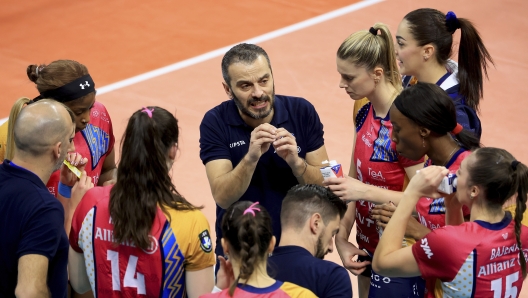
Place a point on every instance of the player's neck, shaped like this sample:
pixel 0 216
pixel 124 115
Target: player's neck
pixel 36 166
pixel 291 237
pixel 442 149
pixel 259 278
pixel 431 73
pixel 382 97
pixel 480 212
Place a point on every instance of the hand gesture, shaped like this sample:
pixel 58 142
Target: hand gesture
pixel 261 138
pixel 79 189
pixel 286 146
pixel 225 276
pixel 347 251
pixel 347 189
pixel 67 177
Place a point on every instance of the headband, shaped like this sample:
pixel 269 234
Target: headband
pixel 71 91
pixel 452 22
pixel 373 31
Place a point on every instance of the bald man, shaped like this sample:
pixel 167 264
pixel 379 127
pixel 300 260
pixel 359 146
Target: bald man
pixel 34 249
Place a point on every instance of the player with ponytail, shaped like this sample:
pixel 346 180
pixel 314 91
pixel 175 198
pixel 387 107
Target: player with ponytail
pixel 248 240
pixel 481 258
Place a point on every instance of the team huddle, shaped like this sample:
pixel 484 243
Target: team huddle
pixel 437 214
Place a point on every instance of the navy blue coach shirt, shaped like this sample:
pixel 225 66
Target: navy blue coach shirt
pixel 297 265
pixel 225 135
pixel 31 222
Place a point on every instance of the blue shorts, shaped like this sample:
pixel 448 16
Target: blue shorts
pixel 396 287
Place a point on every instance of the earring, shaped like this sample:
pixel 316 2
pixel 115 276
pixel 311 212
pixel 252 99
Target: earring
pixel 423 142
pixel 425 58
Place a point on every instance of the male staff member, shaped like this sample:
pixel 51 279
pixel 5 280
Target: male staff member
pixel 258 145
pixel 310 219
pixel 34 249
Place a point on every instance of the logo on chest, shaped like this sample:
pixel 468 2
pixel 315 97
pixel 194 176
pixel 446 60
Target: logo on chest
pixel 98 142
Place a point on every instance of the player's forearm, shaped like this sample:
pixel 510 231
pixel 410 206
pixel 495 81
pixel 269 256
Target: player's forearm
pixel 395 230
pixel 380 195
pixel 229 187
pixel 346 224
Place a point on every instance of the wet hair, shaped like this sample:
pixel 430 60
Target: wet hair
pixel 367 50
pixel 56 74
pixel 302 201
pixel 244 53
pixel 13 115
pixel 428 26
pixel 500 176
pixel 143 180
pixel 429 106
pixel 248 237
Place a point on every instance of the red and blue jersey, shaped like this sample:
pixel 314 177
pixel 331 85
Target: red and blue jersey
pixel 475 259
pixel 431 212
pixel 378 164
pixel 94 142
pixel 278 290
pixel 179 245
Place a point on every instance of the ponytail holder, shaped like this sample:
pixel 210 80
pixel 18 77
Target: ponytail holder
pixel 373 31
pixel 458 128
pixel 452 22
pixel 251 209
pixel 514 164
pixel 37 70
pixel 148 111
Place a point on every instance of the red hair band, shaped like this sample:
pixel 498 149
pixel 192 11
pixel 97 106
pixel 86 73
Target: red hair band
pixel 458 128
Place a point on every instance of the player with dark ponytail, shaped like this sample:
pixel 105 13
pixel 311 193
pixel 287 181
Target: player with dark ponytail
pixel 489 259
pixel 424 48
pixel 247 240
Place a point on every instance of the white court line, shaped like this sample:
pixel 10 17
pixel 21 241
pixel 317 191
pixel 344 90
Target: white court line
pixel 204 57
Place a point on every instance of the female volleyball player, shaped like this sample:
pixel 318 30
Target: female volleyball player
pixel 140 236
pixel 248 239
pixel 367 65
pixel 424 47
pixel 481 258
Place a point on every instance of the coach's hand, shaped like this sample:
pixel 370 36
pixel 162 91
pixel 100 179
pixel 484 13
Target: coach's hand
pixel 261 138
pixel 347 251
pixel 286 147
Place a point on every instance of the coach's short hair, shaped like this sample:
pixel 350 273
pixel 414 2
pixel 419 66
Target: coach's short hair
pixel 302 201
pixel 245 53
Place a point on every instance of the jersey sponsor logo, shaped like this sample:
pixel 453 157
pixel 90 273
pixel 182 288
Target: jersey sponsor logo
pixel 505 236
pixel 377 278
pixel 98 143
pixel 426 223
pixel 236 144
pixel 360 235
pixel 153 245
pixel 496 267
pixel 376 175
pixel 205 241
pixel 426 248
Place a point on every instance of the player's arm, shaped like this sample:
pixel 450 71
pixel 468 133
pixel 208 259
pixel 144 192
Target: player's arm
pixel 77 270
pixel 109 170
pixel 199 282
pixel 390 259
pixel 32 276
pixel 228 184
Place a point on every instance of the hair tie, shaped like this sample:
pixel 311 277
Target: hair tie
pixel 458 128
pixel 37 70
pixel 452 22
pixel 373 31
pixel 514 164
pixel 148 111
pixel 251 209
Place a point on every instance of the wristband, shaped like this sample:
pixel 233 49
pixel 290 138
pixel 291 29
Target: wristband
pixel 65 190
pixel 305 167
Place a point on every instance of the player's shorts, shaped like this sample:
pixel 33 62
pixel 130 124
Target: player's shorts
pixel 396 287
